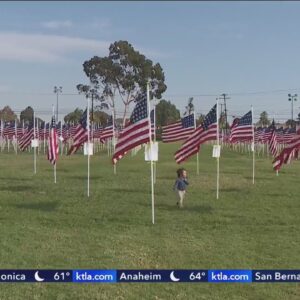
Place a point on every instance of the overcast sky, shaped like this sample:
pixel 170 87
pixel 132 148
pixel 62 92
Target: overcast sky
pixel 248 50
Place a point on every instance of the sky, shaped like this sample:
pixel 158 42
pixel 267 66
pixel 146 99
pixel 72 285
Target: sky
pixel 248 50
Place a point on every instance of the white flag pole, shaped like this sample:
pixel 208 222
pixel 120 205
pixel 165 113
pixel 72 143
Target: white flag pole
pixel 88 145
pixel 45 135
pixel 218 145
pixel 151 160
pixel 54 166
pixel 276 138
pixel 37 133
pixel 16 134
pixel 61 140
pixel 154 136
pixel 195 126
pixel 114 137
pixel 253 146
pixel 34 150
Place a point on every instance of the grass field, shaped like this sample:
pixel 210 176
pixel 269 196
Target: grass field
pixel 44 225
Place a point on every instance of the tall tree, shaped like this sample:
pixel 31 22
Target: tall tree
pixel 7 114
pixel 124 73
pixel 166 113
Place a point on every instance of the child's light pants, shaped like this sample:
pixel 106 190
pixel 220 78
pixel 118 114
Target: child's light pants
pixel 181 195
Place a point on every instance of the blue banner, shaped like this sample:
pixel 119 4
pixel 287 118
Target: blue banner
pixel 151 275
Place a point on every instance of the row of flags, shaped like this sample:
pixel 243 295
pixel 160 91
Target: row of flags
pixel 136 132
pixel 10 130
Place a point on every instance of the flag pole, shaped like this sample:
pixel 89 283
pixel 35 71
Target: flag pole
pixel 54 166
pixel 16 133
pixel 154 135
pixel 114 137
pixel 88 145
pixel 151 160
pixel 253 146
pixel 61 140
pixel 218 145
pixel 34 148
pixel 45 135
pixel 197 167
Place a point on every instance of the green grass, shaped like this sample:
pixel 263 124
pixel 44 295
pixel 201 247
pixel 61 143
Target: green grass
pixel 44 225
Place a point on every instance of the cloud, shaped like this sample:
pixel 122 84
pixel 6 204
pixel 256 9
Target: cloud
pixel 46 48
pixel 57 24
pixel 101 24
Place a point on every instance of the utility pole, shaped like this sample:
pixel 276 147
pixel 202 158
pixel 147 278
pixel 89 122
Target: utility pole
pixel 292 98
pixel 57 90
pixel 224 98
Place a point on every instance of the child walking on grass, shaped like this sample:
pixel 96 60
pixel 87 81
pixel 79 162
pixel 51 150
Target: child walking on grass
pixel 180 185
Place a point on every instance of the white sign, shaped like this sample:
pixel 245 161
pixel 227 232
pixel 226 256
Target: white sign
pixel 151 153
pixel 252 147
pixel 88 150
pixel 216 151
pixel 34 143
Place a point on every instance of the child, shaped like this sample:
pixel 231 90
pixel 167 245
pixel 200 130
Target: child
pixel 180 185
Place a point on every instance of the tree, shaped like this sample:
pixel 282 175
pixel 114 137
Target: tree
pixel 291 123
pixel 100 117
pixel 124 72
pixel 73 117
pixel 27 115
pixel 190 107
pixel 298 119
pixel 7 114
pixel 166 113
pixel 263 119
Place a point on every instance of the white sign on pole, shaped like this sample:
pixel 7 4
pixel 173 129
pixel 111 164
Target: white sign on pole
pixel 34 143
pixel 88 150
pixel 151 156
pixel 216 151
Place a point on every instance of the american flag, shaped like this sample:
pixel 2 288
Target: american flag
pixel 287 153
pixel 9 129
pixel 205 132
pixel 273 145
pixel 97 131
pixel 80 135
pixel 107 131
pixel 25 140
pixel 52 143
pixel 288 134
pixel 136 131
pixel 178 131
pixel 242 131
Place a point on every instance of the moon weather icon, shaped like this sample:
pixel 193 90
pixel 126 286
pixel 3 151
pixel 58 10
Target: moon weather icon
pixel 173 277
pixel 37 277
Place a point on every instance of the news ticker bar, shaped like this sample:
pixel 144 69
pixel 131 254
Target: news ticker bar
pixel 174 276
